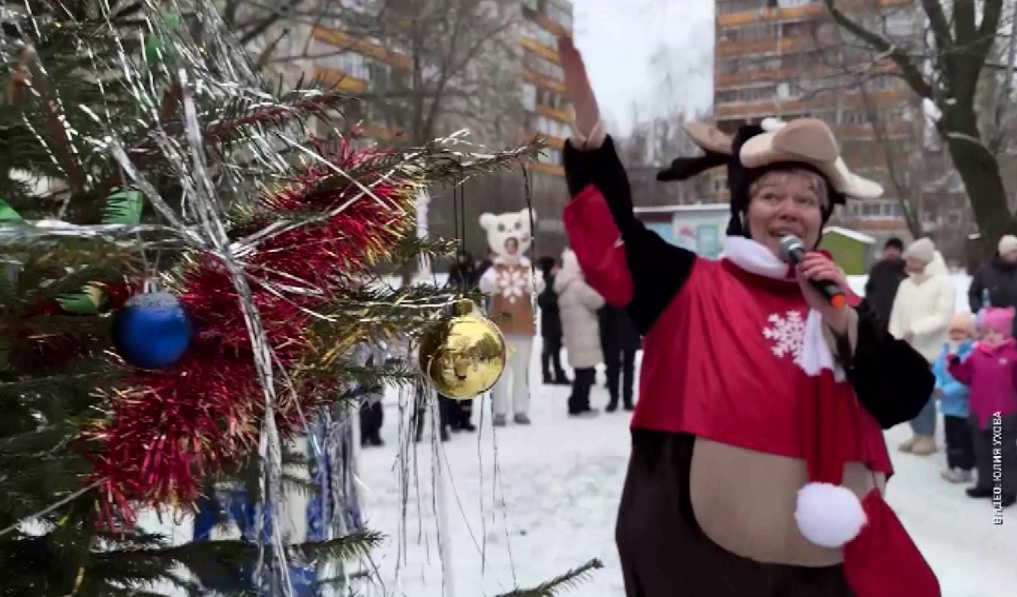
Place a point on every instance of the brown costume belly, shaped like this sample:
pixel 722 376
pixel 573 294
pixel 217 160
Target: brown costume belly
pixel 740 539
pixel 744 501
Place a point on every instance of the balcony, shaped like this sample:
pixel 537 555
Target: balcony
pixel 762 46
pixel 766 107
pixel 539 49
pixel 746 75
pixel 554 113
pixel 365 47
pixel 340 81
pixel 541 81
pixel 550 142
pixel 544 168
pixel 808 11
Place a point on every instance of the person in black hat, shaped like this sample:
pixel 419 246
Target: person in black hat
pixel 758 462
pixel 885 277
pixel 550 325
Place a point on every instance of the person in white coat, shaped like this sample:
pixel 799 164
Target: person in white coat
pixel 578 305
pixel 921 313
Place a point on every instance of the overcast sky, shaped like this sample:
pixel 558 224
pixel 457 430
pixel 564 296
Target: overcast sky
pixel 618 39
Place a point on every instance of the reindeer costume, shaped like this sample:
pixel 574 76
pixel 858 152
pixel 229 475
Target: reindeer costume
pixel 758 462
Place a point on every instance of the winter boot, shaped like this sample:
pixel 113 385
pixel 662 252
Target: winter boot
pixel 907 446
pixel 499 421
pixel 612 405
pixel 467 426
pixel 628 406
pixel 375 440
pixel 522 420
pixel 562 380
pixel 444 434
pixel 979 492
pixel 956 475
pixel 925 445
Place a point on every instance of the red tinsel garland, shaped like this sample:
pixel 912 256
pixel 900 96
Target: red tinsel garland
pixel 169 427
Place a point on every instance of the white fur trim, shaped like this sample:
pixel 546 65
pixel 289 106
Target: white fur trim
pixel 772 124
pixel 816 354
pixel 829 515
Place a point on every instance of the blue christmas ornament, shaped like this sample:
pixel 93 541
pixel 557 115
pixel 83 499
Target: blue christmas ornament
pixel 151 330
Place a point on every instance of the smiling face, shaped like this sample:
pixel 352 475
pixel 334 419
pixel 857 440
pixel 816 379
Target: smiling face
pixel 508 234
pixel 786 202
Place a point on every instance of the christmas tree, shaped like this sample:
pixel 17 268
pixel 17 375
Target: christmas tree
pixel 180 291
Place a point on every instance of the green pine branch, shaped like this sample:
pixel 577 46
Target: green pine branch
pixel 557 585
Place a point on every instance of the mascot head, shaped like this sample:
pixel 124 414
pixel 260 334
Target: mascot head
pixel 509 235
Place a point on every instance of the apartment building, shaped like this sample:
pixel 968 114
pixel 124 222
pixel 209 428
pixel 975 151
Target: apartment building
pixel 369 64
pixel 787 58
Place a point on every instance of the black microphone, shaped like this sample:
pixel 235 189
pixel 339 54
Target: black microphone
pixel 792 251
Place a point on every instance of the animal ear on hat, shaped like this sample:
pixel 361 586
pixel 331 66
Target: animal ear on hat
pixel 709 138
pixel 717 148
pixel 686 168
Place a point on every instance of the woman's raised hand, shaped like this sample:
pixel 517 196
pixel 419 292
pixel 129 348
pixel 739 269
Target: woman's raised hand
pixel 578 91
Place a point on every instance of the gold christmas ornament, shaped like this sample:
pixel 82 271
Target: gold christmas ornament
pixel 463 354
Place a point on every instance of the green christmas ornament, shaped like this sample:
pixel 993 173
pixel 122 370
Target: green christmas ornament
pixel 7 213
pixel 123 206
pixel 157 45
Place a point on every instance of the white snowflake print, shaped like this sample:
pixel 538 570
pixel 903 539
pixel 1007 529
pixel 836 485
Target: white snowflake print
pixel 787 334
pixel 512 283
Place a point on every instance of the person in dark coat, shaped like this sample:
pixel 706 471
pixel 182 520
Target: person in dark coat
pixel 995 282
pixel 621 340
pixel 884 278
pixel 550 325
pixel 464 276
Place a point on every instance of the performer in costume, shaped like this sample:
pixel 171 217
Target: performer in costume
pixel 758 462
pixel 510 283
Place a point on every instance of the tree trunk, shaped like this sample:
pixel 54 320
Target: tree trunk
pixel 983 184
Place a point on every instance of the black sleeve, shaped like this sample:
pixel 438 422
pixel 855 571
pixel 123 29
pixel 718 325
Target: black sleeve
pixel 658 269
pixel 975 290
pixel 891 379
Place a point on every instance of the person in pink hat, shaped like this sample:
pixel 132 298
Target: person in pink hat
pixel 758 462
pixel 990 372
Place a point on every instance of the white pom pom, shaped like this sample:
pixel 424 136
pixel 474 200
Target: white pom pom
pixel 829 515
pixel 771 124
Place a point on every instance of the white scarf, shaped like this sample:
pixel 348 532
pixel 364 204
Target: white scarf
pixel 754 258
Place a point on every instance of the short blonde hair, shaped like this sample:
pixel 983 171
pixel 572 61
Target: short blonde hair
pixel 817 182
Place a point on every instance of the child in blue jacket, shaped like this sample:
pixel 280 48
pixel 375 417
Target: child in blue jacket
pixel 953 401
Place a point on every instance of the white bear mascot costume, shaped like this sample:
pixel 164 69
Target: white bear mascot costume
pixel 511 284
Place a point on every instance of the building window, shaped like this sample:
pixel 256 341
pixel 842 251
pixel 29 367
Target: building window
pixel 746 94
pixel 546 97
pixel 735 6
pixel 542 66
pixel 899 24
pixel 350 64
pixel 540 35
pixel 550 156
pixel 529 97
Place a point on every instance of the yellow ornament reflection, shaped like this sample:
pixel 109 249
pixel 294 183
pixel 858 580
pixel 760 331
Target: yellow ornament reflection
pixel 462 355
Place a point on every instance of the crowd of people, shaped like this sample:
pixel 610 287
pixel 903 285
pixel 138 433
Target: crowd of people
pixel 973 356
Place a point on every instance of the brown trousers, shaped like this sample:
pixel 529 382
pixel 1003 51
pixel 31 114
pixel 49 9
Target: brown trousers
pixel 663 551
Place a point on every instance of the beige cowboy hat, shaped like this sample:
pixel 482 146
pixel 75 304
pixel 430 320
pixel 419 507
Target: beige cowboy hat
pixel 805 140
